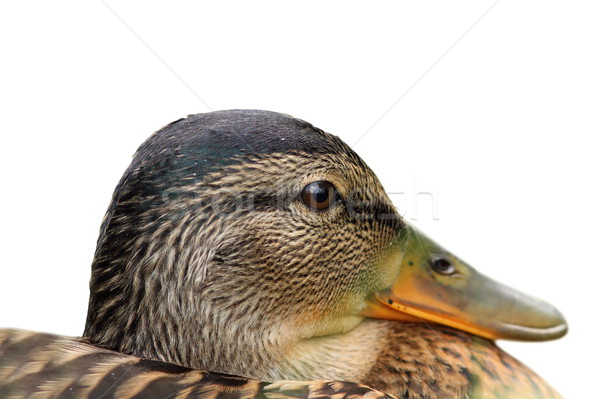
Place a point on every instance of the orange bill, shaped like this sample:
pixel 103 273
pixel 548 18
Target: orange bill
pixel 433 285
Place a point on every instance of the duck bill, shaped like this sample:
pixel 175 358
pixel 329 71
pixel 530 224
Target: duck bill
pixel 435 286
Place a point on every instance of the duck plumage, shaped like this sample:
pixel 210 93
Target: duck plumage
pixel 39 365
pixel 251 243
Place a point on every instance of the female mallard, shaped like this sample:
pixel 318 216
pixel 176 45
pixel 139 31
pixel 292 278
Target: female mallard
pixel 252 243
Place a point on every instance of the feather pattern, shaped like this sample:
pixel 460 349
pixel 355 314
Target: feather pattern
pixel 38 365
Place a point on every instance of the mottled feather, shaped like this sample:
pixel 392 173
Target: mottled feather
pixel 38 365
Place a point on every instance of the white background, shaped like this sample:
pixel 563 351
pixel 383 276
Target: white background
pixel 500 126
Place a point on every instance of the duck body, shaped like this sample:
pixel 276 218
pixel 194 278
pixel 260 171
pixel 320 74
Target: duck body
pixel 251 243
pixel 38 365
pixel 417 362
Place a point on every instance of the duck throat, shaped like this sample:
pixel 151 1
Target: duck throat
pixel 343 357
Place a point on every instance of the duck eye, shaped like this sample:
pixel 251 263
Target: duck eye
pixel 443 266
pixel 319 196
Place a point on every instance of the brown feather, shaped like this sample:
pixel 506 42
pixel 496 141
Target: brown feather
pixel 37 365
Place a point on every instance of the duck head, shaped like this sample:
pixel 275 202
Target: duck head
pixel 236 236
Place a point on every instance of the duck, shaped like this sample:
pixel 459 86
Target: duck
pixel 248 253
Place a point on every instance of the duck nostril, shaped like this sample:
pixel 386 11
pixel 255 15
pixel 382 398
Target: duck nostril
pixel 443 266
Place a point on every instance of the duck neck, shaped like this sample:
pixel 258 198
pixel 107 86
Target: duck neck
pixel 343 357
